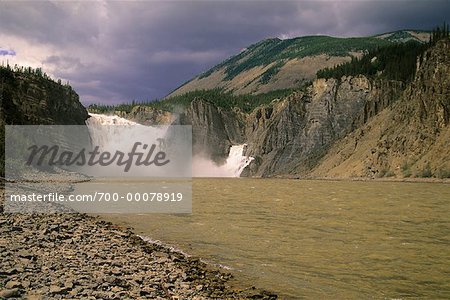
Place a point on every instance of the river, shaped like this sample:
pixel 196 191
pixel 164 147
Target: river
pixel 316 239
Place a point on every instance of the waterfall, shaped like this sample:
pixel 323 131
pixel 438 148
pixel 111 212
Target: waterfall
pixel 112 133
pixel 98 119
pixel 233 167
pixel 236 161
pixel 104 134
pixel 109 137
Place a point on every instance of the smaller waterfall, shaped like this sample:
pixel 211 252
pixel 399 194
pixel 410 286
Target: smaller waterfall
pixel 236 161
pixel 233 167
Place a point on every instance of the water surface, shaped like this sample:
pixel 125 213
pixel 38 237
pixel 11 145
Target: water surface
pixel 317 239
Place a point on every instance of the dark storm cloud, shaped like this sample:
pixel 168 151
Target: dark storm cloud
pixel 118 51
pixel 59 23
pixel 373 17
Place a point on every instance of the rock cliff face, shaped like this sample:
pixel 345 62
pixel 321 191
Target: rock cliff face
pixel 147 115
pixel 410 138
pixel 27 99
pixel 30 99
pixel 214 130
pixel 290 136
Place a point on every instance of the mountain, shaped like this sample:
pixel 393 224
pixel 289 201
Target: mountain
pixel 275 64
pixel 385 114
pixel 351 126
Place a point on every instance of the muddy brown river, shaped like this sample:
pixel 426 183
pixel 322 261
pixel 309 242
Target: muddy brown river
pixel 317 239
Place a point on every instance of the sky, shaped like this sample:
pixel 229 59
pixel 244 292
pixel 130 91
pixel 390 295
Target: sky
pixel 118 51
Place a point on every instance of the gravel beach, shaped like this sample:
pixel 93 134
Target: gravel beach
pixel 76 256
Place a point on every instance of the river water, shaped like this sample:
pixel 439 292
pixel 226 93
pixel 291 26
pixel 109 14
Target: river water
pixel 317 239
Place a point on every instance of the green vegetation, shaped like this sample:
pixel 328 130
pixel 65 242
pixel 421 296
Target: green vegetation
pixel 2 150
pixel 219 98
pixel 272 71
pixel 400 36
pixel 406 169
pixel 385 173
pixel 443 173
pixel 125 107
pixel 7 71
pixel 439 33
pixel 279 51
pixel 425 172
pixel 395 62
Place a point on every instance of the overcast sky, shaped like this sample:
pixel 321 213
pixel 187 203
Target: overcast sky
pixel 113 52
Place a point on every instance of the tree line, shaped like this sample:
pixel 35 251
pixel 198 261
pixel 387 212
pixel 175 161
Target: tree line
pixel 31 71
pixel 218 97
pixel 439 33
pixel 395 62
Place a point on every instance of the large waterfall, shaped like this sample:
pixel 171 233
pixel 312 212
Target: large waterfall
pixel 201 167
pixel 98 119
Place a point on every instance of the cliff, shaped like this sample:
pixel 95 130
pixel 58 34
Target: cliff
pixel 147 115
pixel 214 129
pixel 290 136
pixel 31 99
pixel 409 138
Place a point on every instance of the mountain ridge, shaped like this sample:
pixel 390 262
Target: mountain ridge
pixel 274 63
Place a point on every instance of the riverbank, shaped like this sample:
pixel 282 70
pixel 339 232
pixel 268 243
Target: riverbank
pixel 365 179
pixel 73 256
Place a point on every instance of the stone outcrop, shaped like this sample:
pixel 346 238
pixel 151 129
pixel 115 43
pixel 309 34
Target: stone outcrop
pixel 29 99
pixel 289 135
pixel 147 115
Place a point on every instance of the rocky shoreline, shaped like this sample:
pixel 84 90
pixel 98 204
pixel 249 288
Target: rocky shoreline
pixel 73 256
